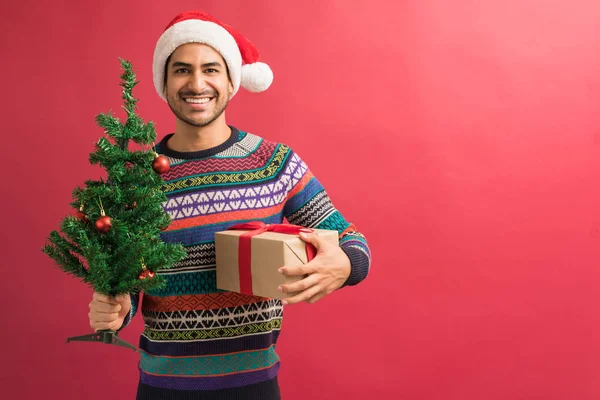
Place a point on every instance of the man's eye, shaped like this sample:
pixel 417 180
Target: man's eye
pixel 211 71
pixel 181 71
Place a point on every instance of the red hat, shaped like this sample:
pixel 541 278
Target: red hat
pixel 238 52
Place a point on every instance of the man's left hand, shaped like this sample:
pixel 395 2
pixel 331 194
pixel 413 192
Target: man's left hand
pixel 327 272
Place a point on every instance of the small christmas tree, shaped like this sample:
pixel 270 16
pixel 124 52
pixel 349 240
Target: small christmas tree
pixel 112 242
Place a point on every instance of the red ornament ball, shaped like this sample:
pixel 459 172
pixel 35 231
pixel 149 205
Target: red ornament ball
pixel 146 274
pixel 81 216
pixel 103 224
pixel 161 164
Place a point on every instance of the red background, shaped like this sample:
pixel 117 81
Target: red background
pixel 462 137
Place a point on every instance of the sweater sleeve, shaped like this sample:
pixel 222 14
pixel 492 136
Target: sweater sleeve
pixel 135 298
pixel 307 204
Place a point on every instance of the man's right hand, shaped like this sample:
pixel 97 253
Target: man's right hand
pixel 107 312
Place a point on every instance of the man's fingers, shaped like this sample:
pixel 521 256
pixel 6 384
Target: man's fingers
pixel 306 269
pixel 314 239
pixel 100 298
pixel 300 285
pixel 115 325
pixel 303 296
pixel 292 271
pixel 316 297
pixel 105 311
pixel 104 307
pixel 103 317
pixel 102 326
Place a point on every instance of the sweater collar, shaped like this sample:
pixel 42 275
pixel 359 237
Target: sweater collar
pixel 162 147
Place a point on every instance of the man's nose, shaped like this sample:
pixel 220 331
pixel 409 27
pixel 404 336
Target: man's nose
pixel 197 83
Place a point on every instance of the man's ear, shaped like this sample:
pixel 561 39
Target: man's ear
pixel 230 88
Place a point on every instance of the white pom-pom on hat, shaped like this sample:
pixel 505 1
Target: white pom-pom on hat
pixel 256 77
pixel 238 52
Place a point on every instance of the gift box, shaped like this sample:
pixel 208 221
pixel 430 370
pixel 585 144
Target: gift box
pixel 249 256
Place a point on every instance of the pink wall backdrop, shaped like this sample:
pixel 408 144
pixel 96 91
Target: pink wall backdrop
pixel 462 137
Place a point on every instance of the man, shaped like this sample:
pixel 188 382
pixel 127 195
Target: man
pixel 200 342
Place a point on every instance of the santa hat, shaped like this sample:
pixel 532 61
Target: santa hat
pixel 238 52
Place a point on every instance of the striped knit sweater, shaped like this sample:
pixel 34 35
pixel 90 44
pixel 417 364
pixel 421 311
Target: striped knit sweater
pixel 202 342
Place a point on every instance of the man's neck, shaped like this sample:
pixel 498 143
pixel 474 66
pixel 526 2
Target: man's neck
pixel 193 138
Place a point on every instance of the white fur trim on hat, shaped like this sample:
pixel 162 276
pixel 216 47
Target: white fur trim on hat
pixel 197 31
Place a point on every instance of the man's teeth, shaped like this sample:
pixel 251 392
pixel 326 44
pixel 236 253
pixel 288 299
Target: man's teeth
pixel 197 101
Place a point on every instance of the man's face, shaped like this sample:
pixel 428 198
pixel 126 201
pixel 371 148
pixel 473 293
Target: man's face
pixel 197 87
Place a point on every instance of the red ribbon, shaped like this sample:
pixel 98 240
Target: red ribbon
pixel 255 228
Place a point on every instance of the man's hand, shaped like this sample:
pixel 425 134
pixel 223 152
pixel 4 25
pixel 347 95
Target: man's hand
pixel 327 272
pixel 108 312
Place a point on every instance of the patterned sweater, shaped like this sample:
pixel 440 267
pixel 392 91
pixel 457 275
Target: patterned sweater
pixel 202 342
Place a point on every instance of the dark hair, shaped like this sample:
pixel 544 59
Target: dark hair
pixel 166 70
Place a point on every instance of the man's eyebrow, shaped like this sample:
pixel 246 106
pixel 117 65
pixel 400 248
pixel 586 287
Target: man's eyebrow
pixel 205 65
pixel 180 64
pixel 212 64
